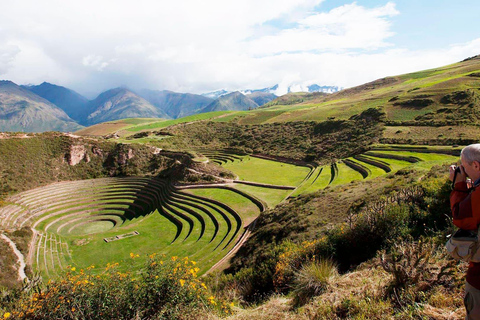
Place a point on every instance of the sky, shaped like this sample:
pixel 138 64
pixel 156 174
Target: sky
pixel 202 46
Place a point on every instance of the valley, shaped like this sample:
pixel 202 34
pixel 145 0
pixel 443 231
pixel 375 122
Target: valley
pixel 253 198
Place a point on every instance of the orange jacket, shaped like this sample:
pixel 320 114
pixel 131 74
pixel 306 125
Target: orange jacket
pixel 465 205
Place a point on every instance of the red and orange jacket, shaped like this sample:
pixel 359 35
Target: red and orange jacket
pixel 465 205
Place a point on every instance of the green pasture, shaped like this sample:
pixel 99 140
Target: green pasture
pixel 268 171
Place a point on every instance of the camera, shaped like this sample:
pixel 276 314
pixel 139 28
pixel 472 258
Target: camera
pixel 457 171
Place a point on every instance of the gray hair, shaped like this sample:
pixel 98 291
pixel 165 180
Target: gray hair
pixel 471 153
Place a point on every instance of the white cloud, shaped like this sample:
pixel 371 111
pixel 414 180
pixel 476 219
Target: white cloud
pixel 198 46
pixel 95 62
pixel 7 55
pixel 346 27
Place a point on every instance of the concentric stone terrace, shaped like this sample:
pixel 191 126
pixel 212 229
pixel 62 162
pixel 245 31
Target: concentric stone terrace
pixel 72 220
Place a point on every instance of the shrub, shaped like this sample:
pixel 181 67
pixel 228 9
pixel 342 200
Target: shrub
pixel 312 279
pixel 417 263
pixel 163 289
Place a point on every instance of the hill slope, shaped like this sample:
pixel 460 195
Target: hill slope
pixel 441 96
pixel 234 101
pixel 176 105
pixel 23 110
pixel 120 103
pixel 68 100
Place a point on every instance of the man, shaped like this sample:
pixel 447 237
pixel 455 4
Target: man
pixel 465 204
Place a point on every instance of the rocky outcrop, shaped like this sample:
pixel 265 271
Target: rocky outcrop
pixel 123 157
pixel 77 154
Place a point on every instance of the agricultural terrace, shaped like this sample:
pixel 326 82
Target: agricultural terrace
pixel 267 171
pixel 97 221
pixel 380 161
pixel 94 222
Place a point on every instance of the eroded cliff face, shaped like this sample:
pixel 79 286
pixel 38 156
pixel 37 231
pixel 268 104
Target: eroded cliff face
pixel 77 154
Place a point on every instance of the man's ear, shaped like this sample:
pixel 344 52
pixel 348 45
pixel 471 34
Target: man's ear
pixel 476 165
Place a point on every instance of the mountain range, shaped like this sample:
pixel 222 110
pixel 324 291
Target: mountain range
pixel 47 107
pixel 23 110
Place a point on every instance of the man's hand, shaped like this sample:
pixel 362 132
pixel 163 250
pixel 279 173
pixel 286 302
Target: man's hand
pixel 461 176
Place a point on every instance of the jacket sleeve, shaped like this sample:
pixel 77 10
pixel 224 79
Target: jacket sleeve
pixel 465 207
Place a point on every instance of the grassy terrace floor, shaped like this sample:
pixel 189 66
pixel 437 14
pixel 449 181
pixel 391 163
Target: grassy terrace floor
pixel 268 171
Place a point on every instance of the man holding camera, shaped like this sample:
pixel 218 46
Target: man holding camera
pixel 465 204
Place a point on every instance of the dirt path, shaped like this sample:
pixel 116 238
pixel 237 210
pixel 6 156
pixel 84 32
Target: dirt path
pixel 21 260
pixel 31 247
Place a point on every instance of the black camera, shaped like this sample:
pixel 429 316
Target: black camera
pixel 457 170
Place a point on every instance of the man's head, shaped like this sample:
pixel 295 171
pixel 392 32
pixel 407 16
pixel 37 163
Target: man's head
pixel 470 158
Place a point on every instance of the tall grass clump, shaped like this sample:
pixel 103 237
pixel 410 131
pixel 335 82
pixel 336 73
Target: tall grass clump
pixel 165 288
pixel 312 279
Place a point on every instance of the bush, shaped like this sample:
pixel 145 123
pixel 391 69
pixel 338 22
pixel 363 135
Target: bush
pixel 163 289
pixel 417 263
pixel 312 279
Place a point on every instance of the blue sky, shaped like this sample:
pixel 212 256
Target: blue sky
pixel 434 24
pixel 200 46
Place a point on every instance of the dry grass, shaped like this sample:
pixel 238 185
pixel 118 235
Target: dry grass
pixel 277 308
pixel 360 294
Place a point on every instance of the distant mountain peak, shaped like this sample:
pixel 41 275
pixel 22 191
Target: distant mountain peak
pixel 235 101
pixel 23 110
pixel 66 99
pixel 216 94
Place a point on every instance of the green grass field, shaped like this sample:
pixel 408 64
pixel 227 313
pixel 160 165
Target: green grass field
pixel 267 171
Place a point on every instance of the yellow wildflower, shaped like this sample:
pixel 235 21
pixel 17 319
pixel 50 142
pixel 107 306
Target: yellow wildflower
pixel 182 282
pixel 6 315
pixel 73 269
